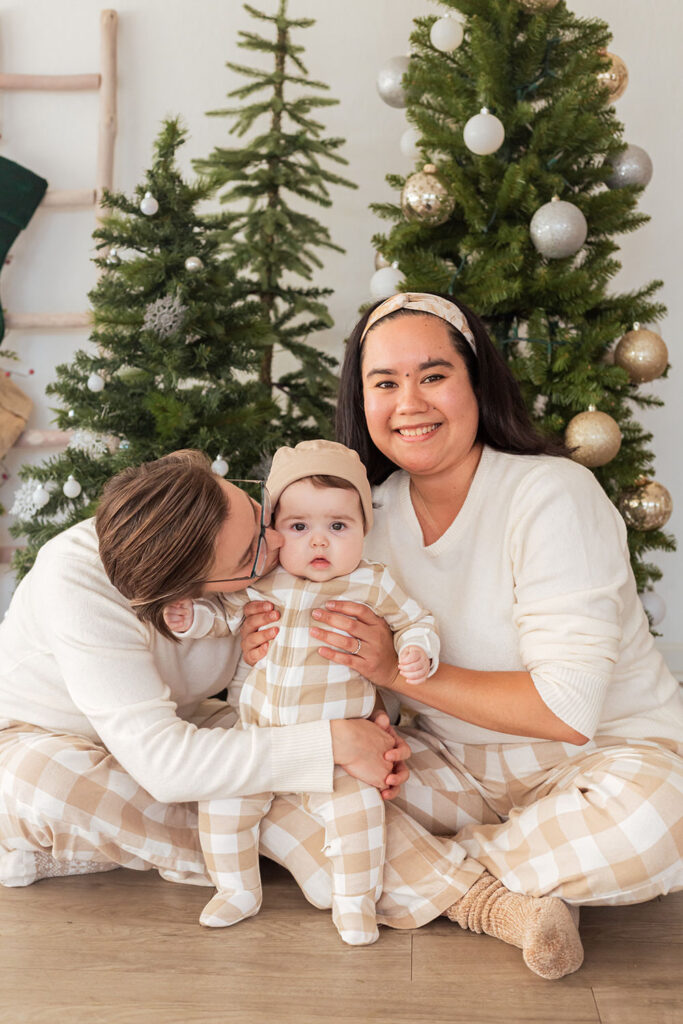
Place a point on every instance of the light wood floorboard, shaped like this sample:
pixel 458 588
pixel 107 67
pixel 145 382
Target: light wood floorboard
pixel 125 948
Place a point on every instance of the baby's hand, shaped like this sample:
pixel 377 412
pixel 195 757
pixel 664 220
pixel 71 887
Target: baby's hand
pixel 413 664
pixel 179 616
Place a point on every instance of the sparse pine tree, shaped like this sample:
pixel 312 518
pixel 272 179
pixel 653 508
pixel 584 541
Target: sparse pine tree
pixel 281 167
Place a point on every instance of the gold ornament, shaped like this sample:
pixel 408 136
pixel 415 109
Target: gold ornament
pixel 595 436
pixel 537 5
pixel 646 506
pixel 425 198
pixel 615 77
pixel 642 353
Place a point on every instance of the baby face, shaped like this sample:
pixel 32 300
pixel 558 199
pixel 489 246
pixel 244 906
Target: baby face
pixel 321 529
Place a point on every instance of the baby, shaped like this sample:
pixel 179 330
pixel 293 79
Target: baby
pixel 323 509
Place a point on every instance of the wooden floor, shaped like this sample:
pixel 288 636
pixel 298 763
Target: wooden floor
pixel 125 948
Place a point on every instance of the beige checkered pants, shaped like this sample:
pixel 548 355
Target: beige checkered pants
pixel 68 797
pixel 354 839
pixel 599 824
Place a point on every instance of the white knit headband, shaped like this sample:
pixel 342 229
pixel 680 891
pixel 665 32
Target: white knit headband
pixel 424 302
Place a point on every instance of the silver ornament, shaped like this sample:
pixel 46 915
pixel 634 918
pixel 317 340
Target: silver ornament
pixel 632 167
pixel 193 263
pixel 390 81
pixel 113 258
pixel 558 229
pixel 148 205
pixel 219 466
pixel 41 496
pixel 164 316
pixel 425 198
pixel 95 382
pixel 380 261
pixel 71 488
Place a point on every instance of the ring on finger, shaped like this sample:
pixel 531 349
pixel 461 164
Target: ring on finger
pixel 357 650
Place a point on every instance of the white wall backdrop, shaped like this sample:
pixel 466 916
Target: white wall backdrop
pixel 172 56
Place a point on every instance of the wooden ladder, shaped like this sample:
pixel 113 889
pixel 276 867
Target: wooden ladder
pixel 103 82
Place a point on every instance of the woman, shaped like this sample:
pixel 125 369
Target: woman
pixel 107 743
pixel 549 741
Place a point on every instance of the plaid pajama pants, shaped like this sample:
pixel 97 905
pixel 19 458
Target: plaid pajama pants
pixel 67 796
pixel 354 838
pixel 600 824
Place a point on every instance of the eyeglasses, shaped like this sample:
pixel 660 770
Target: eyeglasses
pixel 261 556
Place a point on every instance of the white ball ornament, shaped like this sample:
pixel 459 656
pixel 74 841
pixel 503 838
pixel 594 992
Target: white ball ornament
pixel 410 143
pixel 148 205
pixel 446 34
pixel 95 382
pixel 193 263
pixel 390 81
pixel 385 282
pixel 71 488
pixel 558 229
pixel 654 605
pixel 41 496
pixel 484 133
pixel 632 167
pixel 219 466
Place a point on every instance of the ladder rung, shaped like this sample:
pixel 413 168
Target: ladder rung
pixel 46 321
pixel 70 197
pixel 50 82
pixel 43 439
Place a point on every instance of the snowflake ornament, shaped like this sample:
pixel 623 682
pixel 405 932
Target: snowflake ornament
pixel 27 500
pixel 94 445
pixel 165 316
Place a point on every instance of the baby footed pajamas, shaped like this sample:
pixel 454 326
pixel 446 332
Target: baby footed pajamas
pixel 295 684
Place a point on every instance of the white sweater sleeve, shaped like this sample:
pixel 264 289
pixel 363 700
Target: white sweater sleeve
pixel 569 562
pixel 107 661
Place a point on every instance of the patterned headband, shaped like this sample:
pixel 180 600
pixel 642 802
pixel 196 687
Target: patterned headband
pixel 425 303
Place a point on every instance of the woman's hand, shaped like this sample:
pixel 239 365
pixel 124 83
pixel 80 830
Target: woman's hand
pixel 371 752
pixel 255 641
pixel 375 659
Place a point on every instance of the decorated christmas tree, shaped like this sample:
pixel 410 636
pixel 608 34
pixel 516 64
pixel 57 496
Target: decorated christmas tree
pixel 523 182
pixel 281 166
pixel 174 361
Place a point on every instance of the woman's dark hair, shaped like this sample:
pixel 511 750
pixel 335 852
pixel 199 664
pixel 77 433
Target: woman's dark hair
pixel 157 526
pixel 504 423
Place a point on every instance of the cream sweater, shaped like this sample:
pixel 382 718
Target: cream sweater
pixel 75 659
pixel 534 574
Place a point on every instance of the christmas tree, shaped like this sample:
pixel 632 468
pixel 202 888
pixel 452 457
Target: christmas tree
pixel 174 362
pixel 523 181
pixel 269 240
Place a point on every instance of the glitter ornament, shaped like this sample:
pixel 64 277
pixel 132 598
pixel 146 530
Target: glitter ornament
pixel 41 496
pixel 29 498
pixel 193 264
pixel 632 167
pixel 148 205
pixel 646 506
pixel 654 605
pixel 425 198
pixel 165 316
pixel 71 488
pixel 595 436
pixel 446 34
pixel 642 353
pixel 410 143
pixel 558 229
pixel 484 133
pixel 615 77
pixel 390 81
pixel 385 282
pixel 219 466
pixel 95 382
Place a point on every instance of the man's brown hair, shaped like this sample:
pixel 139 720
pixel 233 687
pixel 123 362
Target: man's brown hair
pixel 157 526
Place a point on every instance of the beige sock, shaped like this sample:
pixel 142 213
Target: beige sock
pixel 543 929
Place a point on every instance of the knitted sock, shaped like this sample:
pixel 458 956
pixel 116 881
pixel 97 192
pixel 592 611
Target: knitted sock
pixel 543 929
pixel 48 867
